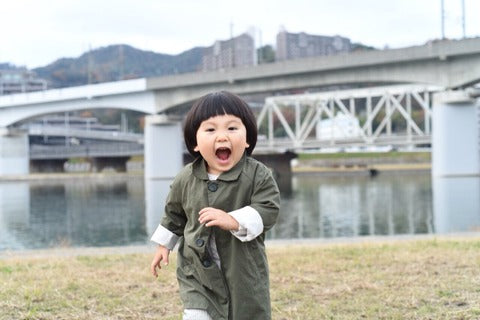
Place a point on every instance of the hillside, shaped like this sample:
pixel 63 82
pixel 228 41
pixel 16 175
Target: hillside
pixel 117 62
pixel 121 62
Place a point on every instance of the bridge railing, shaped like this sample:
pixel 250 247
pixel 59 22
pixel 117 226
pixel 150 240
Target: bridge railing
pixel 40 152
pixel 66 131
pixel 394 115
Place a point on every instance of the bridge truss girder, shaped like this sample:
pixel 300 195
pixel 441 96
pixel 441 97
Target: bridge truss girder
pixel 288 122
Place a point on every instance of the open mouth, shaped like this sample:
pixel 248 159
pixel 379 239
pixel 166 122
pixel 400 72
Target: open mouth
pixel 223 153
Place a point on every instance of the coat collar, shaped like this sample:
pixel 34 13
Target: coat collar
pixel 199 170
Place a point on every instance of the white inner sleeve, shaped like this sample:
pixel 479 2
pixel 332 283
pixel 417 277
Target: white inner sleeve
pixel 195 314
pixel 164 237
pixel 251 224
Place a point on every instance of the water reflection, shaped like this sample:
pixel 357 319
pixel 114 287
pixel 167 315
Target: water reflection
pixel 324 207
pixel 72 213
pixel 14 213
pixel 456 204
pixel 122 211
pixel 156 192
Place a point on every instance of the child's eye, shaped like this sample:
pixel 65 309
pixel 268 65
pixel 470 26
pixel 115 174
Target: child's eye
pixel 232 128
pixel 209 129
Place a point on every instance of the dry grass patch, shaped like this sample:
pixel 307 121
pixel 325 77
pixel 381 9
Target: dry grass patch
pixel 403 280
pixel 429 279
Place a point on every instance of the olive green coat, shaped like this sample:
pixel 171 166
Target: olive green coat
pixel 240 290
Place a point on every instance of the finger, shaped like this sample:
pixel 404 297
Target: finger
pixel 165 261
pixel 204 210
pixel 212 223
pixel 153 269
pixel 205 217
pixel 156 263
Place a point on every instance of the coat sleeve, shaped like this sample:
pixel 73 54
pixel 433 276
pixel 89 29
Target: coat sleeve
pixel 174 218
pixel 266 198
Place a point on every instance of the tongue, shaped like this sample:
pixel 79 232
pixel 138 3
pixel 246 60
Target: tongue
pixel 223 154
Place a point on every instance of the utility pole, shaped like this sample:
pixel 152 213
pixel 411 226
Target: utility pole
pixel 121 62
pixel 260 55
pixel 232 44
pixel 89 65
pixel 463 19
pixel 443 18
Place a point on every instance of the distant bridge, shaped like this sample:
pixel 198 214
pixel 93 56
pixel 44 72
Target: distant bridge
pixel 53 158
pixel 83 143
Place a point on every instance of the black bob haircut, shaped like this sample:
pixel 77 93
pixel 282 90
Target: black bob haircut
pixel 217 104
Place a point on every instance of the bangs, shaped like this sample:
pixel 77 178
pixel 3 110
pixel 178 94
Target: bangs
pixel 219 104
pixel 216 105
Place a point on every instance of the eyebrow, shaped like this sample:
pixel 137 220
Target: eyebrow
pixel 209 122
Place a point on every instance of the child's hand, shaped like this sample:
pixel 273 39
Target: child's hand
pixel 161 255
pixel 219 218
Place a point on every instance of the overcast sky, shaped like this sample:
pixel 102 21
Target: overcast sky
pixel 35 33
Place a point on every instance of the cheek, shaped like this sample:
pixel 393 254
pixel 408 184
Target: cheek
pixel 203 141
pixel 199 139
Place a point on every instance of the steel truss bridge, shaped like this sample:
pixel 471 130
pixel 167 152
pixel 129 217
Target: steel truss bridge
pixel 292 122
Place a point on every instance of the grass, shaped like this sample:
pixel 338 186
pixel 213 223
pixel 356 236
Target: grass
pixel 415 279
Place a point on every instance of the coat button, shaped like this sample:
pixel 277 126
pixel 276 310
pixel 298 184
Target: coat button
pixel 207 263
pixel 212 187
pixel 199 242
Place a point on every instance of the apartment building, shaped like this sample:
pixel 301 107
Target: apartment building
pixel 303 45
pixel 226 54
pixel 20 81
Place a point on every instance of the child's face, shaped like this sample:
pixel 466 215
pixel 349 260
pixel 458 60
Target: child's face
pixel 221 140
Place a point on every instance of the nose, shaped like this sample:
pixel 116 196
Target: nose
pixel 222 135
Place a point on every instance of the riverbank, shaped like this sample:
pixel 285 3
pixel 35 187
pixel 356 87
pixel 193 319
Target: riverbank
pixel 358 163
pixel 325 163
pixel 306 168
pixel 69 175
pixel 406 278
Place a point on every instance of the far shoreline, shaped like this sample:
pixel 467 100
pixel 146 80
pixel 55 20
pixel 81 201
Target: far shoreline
pixel 300 170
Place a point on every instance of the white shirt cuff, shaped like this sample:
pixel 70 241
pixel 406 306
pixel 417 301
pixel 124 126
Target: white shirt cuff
pixel 250 221
pixel 165 237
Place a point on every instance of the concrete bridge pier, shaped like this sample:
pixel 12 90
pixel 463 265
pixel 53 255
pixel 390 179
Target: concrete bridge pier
pixel 14 152
pixel 163 147
pixel 163 160
pixel 455 134
pixel 456 161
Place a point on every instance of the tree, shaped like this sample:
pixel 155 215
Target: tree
pixel 266 54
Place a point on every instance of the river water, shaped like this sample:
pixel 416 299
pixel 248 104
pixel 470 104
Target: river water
pixel 123 210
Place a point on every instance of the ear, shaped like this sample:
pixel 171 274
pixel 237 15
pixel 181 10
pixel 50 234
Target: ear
pixel 247 145
pixel 196 149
